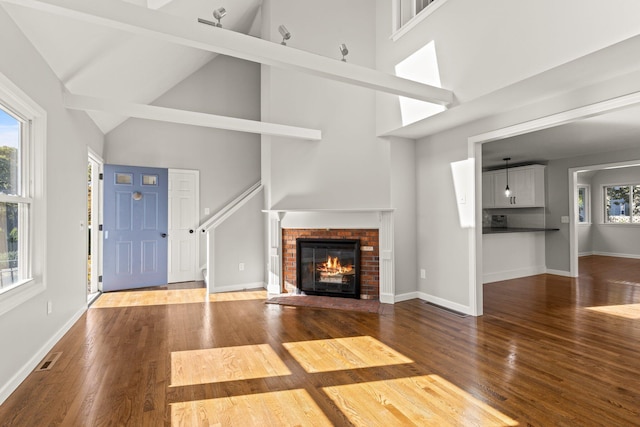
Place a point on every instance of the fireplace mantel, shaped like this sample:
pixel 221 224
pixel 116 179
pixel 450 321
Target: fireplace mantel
pixel 378 218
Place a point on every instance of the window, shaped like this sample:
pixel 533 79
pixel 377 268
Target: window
pixel 408 13
pixel 22 199
pixel 584 207
pixel 421 4
pixel 622 204
pixel 14 201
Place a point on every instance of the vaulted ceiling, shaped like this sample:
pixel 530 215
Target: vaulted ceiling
pixel 103 62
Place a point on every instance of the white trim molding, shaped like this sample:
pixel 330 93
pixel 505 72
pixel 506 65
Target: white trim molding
pixel 27 368
pixel 188 32
pixel 172 115
pixel 446 303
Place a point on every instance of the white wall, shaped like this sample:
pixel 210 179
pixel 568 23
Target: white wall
pixel 443 245
pixel 27 332
pixel 229 162
pixel 349 167
pixel 240 239
pixel 484 47
pixel 403 199
pixel 526 41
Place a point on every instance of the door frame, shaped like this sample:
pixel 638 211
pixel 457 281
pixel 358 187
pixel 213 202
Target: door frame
pixel 196 173
pixel 96 211
pixel 474 151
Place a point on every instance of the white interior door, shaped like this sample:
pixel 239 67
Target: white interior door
pixel 183 220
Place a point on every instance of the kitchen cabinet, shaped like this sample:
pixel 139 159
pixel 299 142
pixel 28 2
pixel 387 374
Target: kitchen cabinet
pixel 525 182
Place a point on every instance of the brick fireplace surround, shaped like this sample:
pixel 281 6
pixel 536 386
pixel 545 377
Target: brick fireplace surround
pixel 369 260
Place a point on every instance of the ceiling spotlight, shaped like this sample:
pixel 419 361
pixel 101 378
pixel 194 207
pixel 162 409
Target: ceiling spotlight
pixel 219 14
pixel 286 35
pixel 344 51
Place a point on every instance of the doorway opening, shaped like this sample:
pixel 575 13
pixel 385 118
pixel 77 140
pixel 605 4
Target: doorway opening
pixel 94 196
pixel 565 247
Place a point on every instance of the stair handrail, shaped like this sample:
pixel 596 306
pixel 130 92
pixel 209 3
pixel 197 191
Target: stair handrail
pixel 217 218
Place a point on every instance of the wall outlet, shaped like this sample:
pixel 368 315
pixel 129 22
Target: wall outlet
pixel 241 266
pixel 564 219
pixel 423 273
pixel 207 211
pixel 49 307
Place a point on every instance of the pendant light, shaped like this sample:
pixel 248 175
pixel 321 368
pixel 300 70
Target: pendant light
pixel 507 191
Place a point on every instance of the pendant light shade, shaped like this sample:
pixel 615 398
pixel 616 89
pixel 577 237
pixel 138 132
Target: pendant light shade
pixel 507 191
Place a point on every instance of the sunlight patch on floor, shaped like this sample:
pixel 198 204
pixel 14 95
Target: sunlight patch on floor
pixel 628 311
pixel 343 353
pixel 421 401
pixel 238 296
pixel 225 364
pixel 148 298
pixel 280 408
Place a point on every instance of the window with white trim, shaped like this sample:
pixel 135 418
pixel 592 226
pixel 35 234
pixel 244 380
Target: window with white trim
pixel 406 10
pixel 15 200
pixel 22 197
pixel 584 207
pixel 622 204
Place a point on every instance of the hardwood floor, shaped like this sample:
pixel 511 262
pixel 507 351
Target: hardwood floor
pixel 549 351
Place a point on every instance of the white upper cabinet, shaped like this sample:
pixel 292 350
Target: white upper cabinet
pixel 525 182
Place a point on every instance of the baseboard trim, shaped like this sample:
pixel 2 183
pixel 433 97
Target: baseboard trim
pixel 387 298
pixel 616 255
pixel 585 254
pixel 236 288
pixel 513 274
pixel 27 368
pixel 406 297
pixel 559 272
pixel 445 303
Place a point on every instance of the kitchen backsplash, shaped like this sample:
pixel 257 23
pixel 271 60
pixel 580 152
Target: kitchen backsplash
pixel 516 218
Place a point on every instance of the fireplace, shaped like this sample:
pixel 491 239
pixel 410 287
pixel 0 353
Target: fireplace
pixel 328 267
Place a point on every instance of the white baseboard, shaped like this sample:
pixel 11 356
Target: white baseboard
pixel 30 365
pixel 236 288
pixel 387 298
pixel 559 272
pixel 585 254
pixel 513 274
pixel 611 254
pixel 445 303
pixel 406 297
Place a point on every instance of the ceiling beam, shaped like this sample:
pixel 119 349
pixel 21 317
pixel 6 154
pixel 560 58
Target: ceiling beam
pixel 187 32
pixel 172 115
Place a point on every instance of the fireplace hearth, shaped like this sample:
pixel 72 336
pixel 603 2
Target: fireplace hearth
pixel 329 267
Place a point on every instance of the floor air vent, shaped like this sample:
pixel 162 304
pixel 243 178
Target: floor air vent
pixel 48 362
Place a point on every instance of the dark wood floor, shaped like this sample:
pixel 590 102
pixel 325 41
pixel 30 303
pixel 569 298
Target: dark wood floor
pixel 549 351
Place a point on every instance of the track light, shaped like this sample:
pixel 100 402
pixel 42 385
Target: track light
pixel 286 35
pixel 219 14
pixel 507 191
pixel 344 51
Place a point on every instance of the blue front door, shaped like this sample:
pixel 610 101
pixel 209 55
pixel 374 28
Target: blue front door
pixel 134 227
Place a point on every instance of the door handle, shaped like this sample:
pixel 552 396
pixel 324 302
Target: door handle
pixel 191 231
pixel 163 235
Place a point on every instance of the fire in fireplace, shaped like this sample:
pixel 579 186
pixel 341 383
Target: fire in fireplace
pixel 328 267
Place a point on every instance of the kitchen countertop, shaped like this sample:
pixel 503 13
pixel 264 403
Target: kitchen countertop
pixel 499 230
